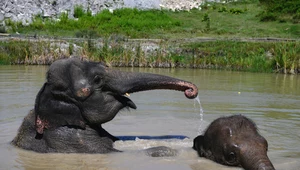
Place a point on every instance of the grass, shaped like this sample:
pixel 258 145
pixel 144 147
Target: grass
pixel 235 19
pixel 248 56
pixel 128 22
pixel 30 52
pixel 241 19
pixel 227 24
pixel 281 57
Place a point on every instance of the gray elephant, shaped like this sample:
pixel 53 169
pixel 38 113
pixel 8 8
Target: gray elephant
pixel 77 98
pixel 234 141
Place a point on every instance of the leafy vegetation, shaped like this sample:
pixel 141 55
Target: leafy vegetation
pixel 284 6
pixel 232 55
pixel 233 19
pixel 282 10
pixel 249 56
pixel 129 22
pixel 239 19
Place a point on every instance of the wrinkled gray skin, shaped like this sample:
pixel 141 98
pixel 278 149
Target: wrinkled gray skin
pixel 234 141
pixel 77 98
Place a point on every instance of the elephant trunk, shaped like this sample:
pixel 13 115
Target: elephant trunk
pixel 127 82
pixel 257 162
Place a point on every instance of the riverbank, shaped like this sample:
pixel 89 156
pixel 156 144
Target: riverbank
pixel 247 54
pixel 219 36
pixel 217 20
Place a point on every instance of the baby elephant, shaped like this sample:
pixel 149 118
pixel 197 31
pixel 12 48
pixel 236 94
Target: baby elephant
pixel 234 141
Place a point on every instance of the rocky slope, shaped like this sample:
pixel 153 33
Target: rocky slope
pixel 24 10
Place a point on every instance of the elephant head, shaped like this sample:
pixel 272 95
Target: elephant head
pixel 79 93
pixel 234 141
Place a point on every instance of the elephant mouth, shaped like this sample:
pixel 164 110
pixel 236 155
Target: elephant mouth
pixel 124 99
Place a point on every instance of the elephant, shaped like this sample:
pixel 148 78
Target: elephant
pixel 234 141
pixel 77 98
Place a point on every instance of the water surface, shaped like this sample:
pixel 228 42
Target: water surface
pixel 271 100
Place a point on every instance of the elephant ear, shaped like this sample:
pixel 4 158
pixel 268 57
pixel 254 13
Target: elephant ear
pixel 198 144
pixel 55 103
pixel 203 148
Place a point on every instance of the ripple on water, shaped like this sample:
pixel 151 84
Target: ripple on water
pixel 31 160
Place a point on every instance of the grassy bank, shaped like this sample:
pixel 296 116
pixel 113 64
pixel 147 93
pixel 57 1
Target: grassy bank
pixel 236 19
pixel 281 57
pixel 106 38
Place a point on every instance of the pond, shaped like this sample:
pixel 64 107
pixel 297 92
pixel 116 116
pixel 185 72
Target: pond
pixel 270 100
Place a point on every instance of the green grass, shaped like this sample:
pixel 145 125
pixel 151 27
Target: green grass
pixel 10 52
pixel 283 57
pixel 247 56
pixel 236 19
pixel 240 19
pixel 29 52
pixel 128 22
pixel 227 24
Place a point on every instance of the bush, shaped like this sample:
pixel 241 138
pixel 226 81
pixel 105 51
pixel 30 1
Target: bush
pixel 13 26
pixel 86 34
pixel 222 9
pixel 236 11
pixel 296 18
pixel 2 29
pixel 268 16
pixel 78 12
pixel 281 6
pixel 278 9
pixel 38 23
pixel 206 19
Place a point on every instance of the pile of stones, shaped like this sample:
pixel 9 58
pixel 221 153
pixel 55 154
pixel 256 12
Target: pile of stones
pixel 24 10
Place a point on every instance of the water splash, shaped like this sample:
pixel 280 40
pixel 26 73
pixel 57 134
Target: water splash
pixel 200 129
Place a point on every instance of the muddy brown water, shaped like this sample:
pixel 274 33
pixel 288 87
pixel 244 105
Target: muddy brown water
pixel 271 100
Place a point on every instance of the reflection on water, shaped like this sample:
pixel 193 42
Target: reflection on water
pixel 30 160
pixel 271 100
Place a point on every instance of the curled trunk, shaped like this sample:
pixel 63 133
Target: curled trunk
pixel 124 82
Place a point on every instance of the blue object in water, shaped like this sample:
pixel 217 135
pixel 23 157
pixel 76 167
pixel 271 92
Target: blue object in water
pixel 124 138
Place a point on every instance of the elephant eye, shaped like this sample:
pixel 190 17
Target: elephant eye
pixel 97 79
pixel 231 157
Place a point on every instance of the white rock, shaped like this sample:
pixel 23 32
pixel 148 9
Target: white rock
pixel 23 10
pixel 1 16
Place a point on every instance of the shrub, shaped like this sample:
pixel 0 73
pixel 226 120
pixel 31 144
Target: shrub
pixel 85 33
pixel 2 29
pixel 296 17
pixel 13 25
pixel 278 9
pixel 268 16
pixel 206 19
pixel 37 23
pixel 236 11
pixel 78 12
pixel 222 9
pixel 281 6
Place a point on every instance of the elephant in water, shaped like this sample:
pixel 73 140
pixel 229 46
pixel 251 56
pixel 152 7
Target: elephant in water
pixel 77 98
pixel 234 141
